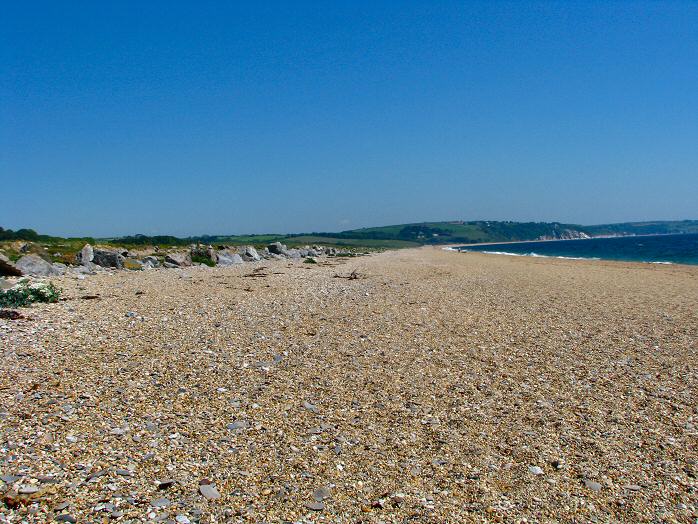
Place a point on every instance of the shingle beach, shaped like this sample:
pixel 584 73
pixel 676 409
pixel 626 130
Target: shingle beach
pixel 407 386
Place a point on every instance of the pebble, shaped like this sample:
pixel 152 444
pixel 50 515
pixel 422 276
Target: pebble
pixel 209 491
pixel 535 470
pixel 592 485
pixel 321 494
pixel 65 517
pixel 315 506
pixel 160 502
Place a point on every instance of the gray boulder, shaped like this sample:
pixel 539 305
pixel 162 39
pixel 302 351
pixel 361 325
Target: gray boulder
pixel 36 266
pixel 249 254
pixel 293 253
pixel 277 248
pixel 5 285
pixel 85 255
pixel 178 260
pixel 150 262
pixel 108 258
pixel 7 268
pixel 226 258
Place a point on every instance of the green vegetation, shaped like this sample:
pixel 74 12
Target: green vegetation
pixel 63 250
pixel 25 293
pixel 198 259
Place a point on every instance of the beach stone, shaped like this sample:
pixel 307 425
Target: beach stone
pixel 277 248
pixel 166 483
pixel 592 485
pixel 249 254
pixel 535 470
pixel 9 479
pixel 209 491
pixel 178 259
pixel 226 258
pixel 108 258
pixel 321 494
pixel 238 424
pixel 315 506
pixel 36 266
pixel 85 255
pixel 7 268
pixel 150 262
pixel 65 517
pixel 161 502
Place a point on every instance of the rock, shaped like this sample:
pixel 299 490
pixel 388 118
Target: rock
pixel 7 268
pixel 160 502
pixel 133 264
pixel 209 491
pixel 150 262
pixel 593 486
pixel 59 268
pixel 249 254
pixel 65 517
pixel 238 424
pixel 178 259
pixel 85 255
pixel 535 470
pixel 9 479
pixel 293 253
pixel 321 494
pixel 5 285
pixel 166 483
pixel 226 258
pixel 108 258
pixel 315 506
pixel 36 266
pixel 277 248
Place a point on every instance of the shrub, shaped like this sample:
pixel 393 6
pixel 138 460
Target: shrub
pixel 25 293
pixel 202 260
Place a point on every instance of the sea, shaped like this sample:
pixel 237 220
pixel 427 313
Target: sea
pixel 655 249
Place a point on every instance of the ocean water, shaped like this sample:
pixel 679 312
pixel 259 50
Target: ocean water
pixel 657 249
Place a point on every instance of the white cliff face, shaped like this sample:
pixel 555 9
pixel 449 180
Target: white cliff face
pixel 565 234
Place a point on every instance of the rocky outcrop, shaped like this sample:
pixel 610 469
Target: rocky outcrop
pixel 108 258
pixel 36 266
pixel 226 258
pixel 7 268
pixel 178 260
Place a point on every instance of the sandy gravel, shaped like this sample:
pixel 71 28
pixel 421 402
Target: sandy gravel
pixel 438 387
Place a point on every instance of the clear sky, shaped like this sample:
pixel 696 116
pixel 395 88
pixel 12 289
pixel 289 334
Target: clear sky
pixel 196 117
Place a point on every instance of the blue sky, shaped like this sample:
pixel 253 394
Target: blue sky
pixel 218 117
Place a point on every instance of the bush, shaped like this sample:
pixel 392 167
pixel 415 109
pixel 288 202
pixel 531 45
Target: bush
pixel 198 259
pixel 25 293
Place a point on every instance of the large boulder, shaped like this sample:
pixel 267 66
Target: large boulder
pixel 36 266
pixel 7 268
pixel 226 258
pixel 108 258
pixel 150 262
pixel 178 260
pixel 277 248
pixel 85 255
pixel 249 254
pixel 293 253
pixel 5 285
